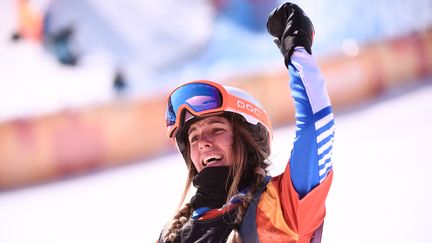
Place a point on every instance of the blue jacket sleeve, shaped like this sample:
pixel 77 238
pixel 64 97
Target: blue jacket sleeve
pixel 310 160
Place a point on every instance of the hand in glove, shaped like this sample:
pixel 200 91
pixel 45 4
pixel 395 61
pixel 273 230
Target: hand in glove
pixel 291 27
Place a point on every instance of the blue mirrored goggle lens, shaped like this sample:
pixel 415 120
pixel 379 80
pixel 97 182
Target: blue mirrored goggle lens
pixel 198 96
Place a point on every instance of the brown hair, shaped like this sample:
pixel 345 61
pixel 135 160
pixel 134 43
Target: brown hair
pixel 251 149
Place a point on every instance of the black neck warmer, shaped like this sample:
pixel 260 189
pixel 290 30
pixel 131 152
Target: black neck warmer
pixel 212 185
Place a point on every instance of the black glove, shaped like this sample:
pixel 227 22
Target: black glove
pixel 291 27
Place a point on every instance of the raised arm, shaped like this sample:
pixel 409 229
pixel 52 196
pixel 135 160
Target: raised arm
pixel 311 155
pixel 310 158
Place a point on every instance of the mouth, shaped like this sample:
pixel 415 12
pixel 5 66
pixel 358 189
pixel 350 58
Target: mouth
pixel 214 158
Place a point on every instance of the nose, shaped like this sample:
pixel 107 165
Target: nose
pixel 205 141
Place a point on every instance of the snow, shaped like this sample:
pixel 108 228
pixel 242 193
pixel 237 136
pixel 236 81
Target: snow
pixel 28 89
pixel 380 192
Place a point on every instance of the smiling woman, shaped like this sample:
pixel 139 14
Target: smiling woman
pixel 211 142
pixel 224 135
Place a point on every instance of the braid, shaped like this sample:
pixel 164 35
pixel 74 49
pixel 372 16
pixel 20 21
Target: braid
pixel 245 200
pixel 173 228
pixel 234 237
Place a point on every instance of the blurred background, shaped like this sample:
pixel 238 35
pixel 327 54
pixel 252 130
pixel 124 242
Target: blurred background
pixel 84 155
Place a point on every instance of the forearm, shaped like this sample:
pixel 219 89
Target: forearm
pixel 311 155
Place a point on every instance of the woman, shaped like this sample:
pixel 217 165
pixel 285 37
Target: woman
pixel 224 136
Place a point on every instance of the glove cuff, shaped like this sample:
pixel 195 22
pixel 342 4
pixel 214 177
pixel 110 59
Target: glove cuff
pixel 290 42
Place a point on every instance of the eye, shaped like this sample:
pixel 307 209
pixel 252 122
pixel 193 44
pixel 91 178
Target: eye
pixel 193 138
pixel 217 130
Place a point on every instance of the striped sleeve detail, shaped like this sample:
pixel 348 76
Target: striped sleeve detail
pixel 325 131
pixel 310 160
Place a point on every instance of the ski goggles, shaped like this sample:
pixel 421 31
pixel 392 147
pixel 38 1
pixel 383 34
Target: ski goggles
pixel 202 98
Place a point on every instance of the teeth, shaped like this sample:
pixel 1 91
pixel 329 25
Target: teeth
pixel 211 158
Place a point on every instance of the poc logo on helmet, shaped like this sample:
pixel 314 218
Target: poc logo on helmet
pixel 246 106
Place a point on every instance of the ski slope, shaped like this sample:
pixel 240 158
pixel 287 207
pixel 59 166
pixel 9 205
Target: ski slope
pixel 380 193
